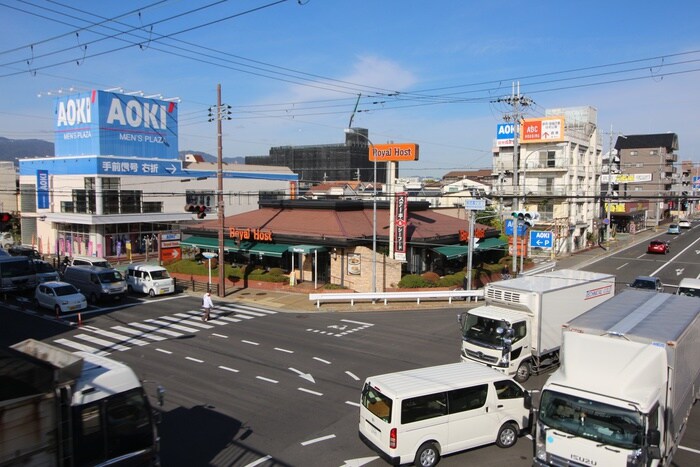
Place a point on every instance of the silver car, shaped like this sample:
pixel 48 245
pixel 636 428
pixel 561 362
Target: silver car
pixel 60 297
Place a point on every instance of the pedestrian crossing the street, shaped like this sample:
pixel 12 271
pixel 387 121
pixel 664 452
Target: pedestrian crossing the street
pixel 123 337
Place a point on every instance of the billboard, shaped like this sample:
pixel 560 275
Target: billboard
pixel 106 123
pixel 42 189
pixel 505 134
pixel 393 152
pixel 401 226
pixel 542 130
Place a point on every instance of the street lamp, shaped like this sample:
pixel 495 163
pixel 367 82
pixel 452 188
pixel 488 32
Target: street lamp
pixel 209 255
pixel 352 131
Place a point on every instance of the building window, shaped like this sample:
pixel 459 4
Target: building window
pixel 654 152
pixel 634 153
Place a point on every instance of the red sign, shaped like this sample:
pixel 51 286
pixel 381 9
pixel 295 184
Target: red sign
pixel 170 254
pixel 401 226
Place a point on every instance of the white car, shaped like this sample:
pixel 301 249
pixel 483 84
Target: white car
pixel 61 297
pixel 684 224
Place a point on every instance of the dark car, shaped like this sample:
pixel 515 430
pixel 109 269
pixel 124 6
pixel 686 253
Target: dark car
pixel 22 250
pixel 658 246
pixel 649 283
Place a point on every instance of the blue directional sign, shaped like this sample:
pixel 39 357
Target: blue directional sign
pixel 541 239
pixel 509 228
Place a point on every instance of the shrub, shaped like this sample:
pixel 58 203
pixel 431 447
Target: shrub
pixel 413 281
pixel 334 287
pixel 431 277
pixel 451 280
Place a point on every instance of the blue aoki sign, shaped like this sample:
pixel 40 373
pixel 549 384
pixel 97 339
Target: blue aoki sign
pixel 105 123
pixel 42 189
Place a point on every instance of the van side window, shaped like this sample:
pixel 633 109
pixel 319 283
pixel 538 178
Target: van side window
pixel 468 398
pixel 423 407
pixel 508 390
pixel 80 262
pixel 519 331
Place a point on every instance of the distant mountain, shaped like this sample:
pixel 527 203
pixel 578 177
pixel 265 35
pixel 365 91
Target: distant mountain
pixel 11 149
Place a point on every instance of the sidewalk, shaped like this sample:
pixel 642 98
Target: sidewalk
pixel 291 302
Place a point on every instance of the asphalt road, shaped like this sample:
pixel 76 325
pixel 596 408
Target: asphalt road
pixel 256 387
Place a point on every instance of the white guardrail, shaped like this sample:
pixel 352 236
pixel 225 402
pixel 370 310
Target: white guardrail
pixel 353 297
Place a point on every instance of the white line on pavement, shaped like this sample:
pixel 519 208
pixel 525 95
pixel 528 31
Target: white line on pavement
pixel 350 374
pixel 259 461
pixel 192 359
pixel 322 360
pixel 267 379
pixel 284 350
pixel 250 342
pixel 219 335
pixel 310 391
pixel 622 266
pixel 322 438
pixel 163 351
pixel 352 403
pixel 233 370
pixel 356 322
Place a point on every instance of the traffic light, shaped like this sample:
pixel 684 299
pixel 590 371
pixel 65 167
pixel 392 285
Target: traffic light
pixel 528 218
pixel 5 221
pixel 199 209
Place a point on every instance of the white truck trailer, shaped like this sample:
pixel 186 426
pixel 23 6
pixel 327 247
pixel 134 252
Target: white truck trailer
pixel 518 330
pixel 629 377
pixel 63 409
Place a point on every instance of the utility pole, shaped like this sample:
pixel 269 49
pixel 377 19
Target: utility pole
pixel 517 102
pixel 223 112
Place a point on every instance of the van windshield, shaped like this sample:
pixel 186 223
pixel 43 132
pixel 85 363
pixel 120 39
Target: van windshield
pixel 483 331
pixel 110 277
pixel 376 402
pixel 689 291
pixel 160 274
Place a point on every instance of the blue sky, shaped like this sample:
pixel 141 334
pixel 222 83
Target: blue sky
pixel 427 72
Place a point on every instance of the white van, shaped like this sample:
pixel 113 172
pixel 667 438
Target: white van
pixel 420 415
pixel 689 287
pixel 150 279
pixel 96 283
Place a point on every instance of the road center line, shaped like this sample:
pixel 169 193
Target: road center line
pixel 192 359
pixel 219 335
pixel 233 370
pixel 352 403
pixel 356 322
pixel 312 441
pixel 163 351
pixel 267 379
pixel 284 350
pixel 310 391
pixel 350 374
pixel 622 266
pixel 322 360
pixel 250 342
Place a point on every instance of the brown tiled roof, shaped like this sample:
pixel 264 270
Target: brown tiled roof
pixel 423 225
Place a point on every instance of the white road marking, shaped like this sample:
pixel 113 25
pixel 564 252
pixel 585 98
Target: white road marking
pixel 695 451
pixel 81 347
pixel 233 370
pixel 622 266
pixel 102 342
pixel 350 374
pixel 267 379
pixel 259 461
pixel 172 322
pixel 310 391
pixel 306 376
pixel 163 351
pixel 312 441
pixel 114 335
pixel 322 360
pixel 356 322
pixel 356 404
pixel 219 335
pixel 250 342
pixel 156 329
pixel 192 359
pixel 138 333
pixel 284 350
pixel 228 318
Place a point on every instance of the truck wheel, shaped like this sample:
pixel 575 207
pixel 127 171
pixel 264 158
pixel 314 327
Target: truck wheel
pixel 152 293
pixel 507 435
pixel 427 455
pixel 523 372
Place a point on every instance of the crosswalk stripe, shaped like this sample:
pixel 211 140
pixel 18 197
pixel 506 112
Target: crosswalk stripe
pixel 120 337
pixel 156 329
pixel 139 333
pixel 171 325
pixel 81 347
pixel 105 344
pixel 189 322
pixel 229 319
pixel 199 317
pixel 251 311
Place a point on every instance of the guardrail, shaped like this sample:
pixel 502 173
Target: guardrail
pixel 544 267
pixel 386 296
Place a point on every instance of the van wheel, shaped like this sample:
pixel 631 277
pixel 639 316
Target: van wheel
pixel 523 372
pixel 507 435
pixel 427 455
pixel 152 293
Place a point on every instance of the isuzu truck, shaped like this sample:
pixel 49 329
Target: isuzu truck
pixel 629 377
pixel 518 330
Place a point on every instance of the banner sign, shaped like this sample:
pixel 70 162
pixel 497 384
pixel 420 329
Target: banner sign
pixel 42 189
pixel 401 226
pixel 505 134
pixel 393 152
pixel 542 130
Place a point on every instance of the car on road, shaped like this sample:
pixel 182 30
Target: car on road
pixel 648 283
pixel 658 246
pixel 684 224
pixel 61 297
pixel 24 250
pixel 689 287
pixel 674 229
pixel 45 272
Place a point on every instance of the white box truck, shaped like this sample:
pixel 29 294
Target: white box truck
pixel 518 330
pixel 629 377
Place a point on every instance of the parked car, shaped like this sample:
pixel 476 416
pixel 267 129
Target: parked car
pixel 674 229
pixel 60 297
pixel 647 283
pixel 45 272
pixel 24 250
pixel 96 283
pixel 6 240
pixel 684 224
pixel 658 246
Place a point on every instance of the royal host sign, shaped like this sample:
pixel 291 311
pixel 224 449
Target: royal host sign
pixel 110 124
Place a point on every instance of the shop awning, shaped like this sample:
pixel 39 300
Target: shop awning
pixel 306 249
pixel 262 249
pixel 456 251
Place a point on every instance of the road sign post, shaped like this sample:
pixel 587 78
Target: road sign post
pixel 543 239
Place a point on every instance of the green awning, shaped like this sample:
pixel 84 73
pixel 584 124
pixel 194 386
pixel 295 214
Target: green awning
pixel 456 251
pixel 306 249
pixel 262 249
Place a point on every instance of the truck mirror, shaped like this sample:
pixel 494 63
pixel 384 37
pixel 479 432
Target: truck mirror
pixel 160 393
pixel 460 318
pixel 507 345
pixel 655 440
pixel 499 330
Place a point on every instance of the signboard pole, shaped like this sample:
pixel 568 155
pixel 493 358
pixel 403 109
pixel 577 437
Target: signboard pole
pixel 470 251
